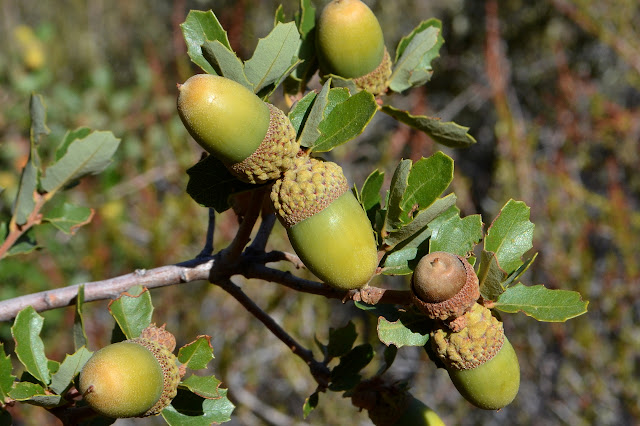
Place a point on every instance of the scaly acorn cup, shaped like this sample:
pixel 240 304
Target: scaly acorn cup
pixel 254 139
pixel 444 286
pixel 480 360
pixel 351 45
pixel 133 378
pixel 327 227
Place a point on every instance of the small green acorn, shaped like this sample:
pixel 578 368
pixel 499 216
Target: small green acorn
pixel 479 359
pixel 351 45
pixel 444 286
pixel 134 378
pixel 327 227
pixel 391 404
pixel 254 139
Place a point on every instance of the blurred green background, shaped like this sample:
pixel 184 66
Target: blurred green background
pixel 551 91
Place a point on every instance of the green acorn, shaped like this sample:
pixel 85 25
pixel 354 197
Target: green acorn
pixel 390 404
pixel 327 227
pixel 444 286
pixel 351 45
pixel 133 378
pixel 254 139
pixel 479 359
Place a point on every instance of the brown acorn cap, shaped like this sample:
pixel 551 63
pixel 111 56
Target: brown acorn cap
pixel 476 343
pixel 170 370
pixel 307 188
pixel 274 155
pixel 444 286
pixel 377 81
pixel 160 335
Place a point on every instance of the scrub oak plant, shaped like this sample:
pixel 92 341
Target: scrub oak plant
pixel 268 156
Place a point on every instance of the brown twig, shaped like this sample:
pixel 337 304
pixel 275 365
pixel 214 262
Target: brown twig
pixel 16 230
pixel 193 270
pixel 319 371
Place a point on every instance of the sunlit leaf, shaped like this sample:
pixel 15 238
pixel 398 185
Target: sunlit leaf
pixel 199 27
pixel 454 234
pixel 79 335
pixel 399 184
pixel 446 133
pixel 132 311
pixel 510 235
pixel 346 121
pixel 414 54
pixel 408 330
pixel 29 346
pixel 273 56
pixel 490 276
pixel 310 404
pixel 69 369
pixel 417 226
pixel 428 178
pixel 197 354
pixel 89 155
pixel 541 303
pixel 225 62
pixel 205 386
pixel 68 218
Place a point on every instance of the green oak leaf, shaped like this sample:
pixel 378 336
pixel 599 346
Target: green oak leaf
pixel 89 155
pixel 414 54
pixel 541 303
pixel 198 28
pixel 68 218
pixel 448 133
pixel 29 346
pixel 197 354
pixel 510 235
pixel 132 311
pixel 345 121
pixel 274 56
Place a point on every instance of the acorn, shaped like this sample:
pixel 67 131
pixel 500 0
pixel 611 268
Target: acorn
pixel 327 227
pixel 134 378
pixel 444 286
pixel 351 45
pixel 254 139
pixel 479 359
pixel 390 404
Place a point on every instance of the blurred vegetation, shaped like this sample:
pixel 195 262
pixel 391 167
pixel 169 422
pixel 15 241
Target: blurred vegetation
pixel 550 89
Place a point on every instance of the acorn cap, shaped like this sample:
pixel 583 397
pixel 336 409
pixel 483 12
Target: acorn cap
pixel 308 187
pixel 377 81
pixel 478 342
pixel 170 371
pixel 274 155
pixel 444 286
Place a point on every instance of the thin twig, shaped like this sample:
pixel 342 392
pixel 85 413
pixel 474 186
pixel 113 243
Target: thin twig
pixel 264 231
pixel 192 270
pixel 319 371
pixel 207 250
pixel 16 231
pixel 243 236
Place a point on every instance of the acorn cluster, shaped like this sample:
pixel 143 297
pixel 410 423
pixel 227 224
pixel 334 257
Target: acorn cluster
pixel 326 225
pixel 468 340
